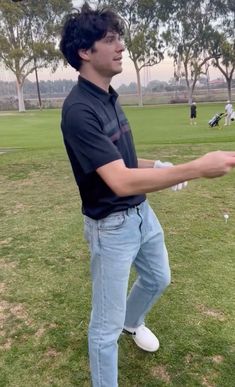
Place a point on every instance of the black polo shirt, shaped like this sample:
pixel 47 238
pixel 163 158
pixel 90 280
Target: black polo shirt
pixel 96 132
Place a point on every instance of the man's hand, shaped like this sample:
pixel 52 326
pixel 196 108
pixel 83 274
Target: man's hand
pixel 215 164
pixel 167 164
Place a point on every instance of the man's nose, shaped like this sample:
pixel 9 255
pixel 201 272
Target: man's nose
pixel 121 46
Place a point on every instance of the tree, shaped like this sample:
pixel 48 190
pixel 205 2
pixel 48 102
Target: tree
pixel 143 41
pixel 223 43
pixel 188 38
pixel 29 35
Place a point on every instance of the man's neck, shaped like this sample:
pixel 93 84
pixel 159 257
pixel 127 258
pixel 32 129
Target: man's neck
pixel 99 81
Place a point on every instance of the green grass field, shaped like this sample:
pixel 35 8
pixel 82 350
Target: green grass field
pixel 44 265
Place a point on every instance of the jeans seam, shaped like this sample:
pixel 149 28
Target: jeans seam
pixel 96 225
pixel 149 265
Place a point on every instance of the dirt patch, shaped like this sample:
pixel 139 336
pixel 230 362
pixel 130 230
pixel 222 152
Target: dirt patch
pixel 2 287
pixel 218 359
pixel 190 358
pixel 3 313
pixel 18 208
pixel 26 183
pixel 8 310
pixel 6 242
pixel 211 313
pixel 7 345
pixel 210 380
pixel 3 306
pixel 40 332
pixel 207 383
pixel 7 265
pixel 51 352
pixel 160 372
pixel 19 312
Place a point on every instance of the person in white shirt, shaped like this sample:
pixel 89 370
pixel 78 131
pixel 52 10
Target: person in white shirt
pixel 229 112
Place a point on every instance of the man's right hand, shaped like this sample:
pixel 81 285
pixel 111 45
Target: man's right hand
pixel 215 164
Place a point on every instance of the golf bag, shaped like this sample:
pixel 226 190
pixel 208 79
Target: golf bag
pixel 214 121
pixel 233 116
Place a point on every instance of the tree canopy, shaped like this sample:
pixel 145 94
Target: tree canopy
pixel 188 41
pixel 29 36
pixel 143 40
pixel 197 33
pixel 223 43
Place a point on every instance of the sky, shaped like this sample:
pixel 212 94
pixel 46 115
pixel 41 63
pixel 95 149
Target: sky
pixel 162 72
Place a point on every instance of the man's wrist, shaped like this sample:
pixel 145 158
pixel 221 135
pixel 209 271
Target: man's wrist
pixel 162 164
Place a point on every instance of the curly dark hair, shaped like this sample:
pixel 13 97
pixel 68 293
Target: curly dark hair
pixel 83 28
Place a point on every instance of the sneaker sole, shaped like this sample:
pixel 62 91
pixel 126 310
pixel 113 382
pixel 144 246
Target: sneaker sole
pixel 145 348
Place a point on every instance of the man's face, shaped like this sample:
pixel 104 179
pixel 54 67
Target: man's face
pixel 106 55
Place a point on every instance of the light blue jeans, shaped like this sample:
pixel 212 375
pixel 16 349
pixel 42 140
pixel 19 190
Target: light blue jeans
pixel 134 236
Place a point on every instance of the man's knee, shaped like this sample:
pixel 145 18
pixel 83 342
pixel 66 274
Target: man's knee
pixel 165 279
pixel 156 282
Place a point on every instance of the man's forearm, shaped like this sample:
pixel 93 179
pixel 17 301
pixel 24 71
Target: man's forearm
pixel 144 180
pixel 133 181
pixel 124 181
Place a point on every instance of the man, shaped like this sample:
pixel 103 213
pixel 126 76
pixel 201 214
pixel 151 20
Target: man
pixel 120 226
pixel 229 111
pixel 193 113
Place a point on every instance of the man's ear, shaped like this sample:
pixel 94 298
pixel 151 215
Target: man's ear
pixel 84 54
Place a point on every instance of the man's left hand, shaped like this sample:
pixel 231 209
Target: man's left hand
pixel 167 164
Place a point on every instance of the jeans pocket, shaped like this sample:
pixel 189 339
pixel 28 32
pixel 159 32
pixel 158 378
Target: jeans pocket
pixel 112 222
pixel 87 230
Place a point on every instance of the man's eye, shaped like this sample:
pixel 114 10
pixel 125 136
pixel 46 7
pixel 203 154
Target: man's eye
pixel 110 39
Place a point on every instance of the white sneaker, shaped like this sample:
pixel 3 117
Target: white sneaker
pixel 143 337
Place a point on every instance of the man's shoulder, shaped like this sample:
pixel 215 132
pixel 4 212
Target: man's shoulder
pixel 77 98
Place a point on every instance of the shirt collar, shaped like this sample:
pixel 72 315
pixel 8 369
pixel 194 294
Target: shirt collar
pixel 112 95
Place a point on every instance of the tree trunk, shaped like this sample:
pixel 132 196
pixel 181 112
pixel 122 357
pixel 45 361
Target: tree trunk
pixel 139 86
pixel 21 104
pixel 190 95
pixel 229 87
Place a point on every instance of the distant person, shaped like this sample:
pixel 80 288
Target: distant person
pixel 193 113
pixel 120 226
pixel 233 116
pixel 229 111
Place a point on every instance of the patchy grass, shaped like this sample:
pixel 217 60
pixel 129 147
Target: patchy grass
pixel 44 265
